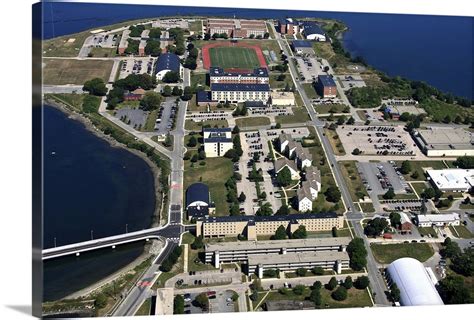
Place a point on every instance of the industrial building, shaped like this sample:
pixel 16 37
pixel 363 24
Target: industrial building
pixel 287 254
pixel 445 142
pixel 237 92
pixel 326 86
pixel 198 200
pixel 217 141
pixel 451 180
pixel 236 28
pixel 417 287
pixel 252 226
pixel 438 220
pixel 167 62
pixel 302 47
pixel 256 76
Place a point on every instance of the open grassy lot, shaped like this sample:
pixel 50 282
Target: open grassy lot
pixel 335 142
pixel 309 90
pixel 145 308
pixel 252 122
pixel 437 110
pixel 197 126
pixel 300 115
pixel 275 84
pixel 461 232
pixel 103 52
pixel 401 196
pixel 418 167
pixel 353 180
pixel 195 26
pixel 58 72
pixel 65 46
pixel 234 57
pixel 194 263
pixel 387 253
pixel 331 108
pixel 150 121
pixel 419 187
pixel 214 173
pixel 426 231
pixel 367 207
pixel 199 79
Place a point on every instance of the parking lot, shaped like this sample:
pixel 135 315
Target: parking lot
pixel 377 140
pixel 349 81
pixel 104 41
pixel 309 68
pixel 219 301
pixel 134 117
pixel 136 66
pixel 379 177
pixel 166 116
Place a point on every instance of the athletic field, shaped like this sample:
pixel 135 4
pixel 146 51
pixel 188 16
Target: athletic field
pixel 234 57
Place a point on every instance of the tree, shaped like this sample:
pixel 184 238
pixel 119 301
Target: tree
pixel 375 227
pixel 362 282
pixel 340 294
pixel 333 194
pixel 202 155
pixel 406 167
pixel 350 121
pixel 463 263
pixel 357 254
pixel 187 94
pixel 280 233
pixel 428 193
pixel 315 297
pixel 334 232
pixel 332 284
pixel 235 296
pixel 284 177
pixel 299 289
pixel 284 210
pixel 178 304
pixel 153 48
pixel 301 272
pixel 232 154
pixel 271 273
pixel 341 119
pixel 100 301
pixel 465 162
pixel 150 101
pixel 192 142
pixel 318 271
pixel 453 290
pixel 195 158
pixel 177 91
pixel 242 197
pixel 95 87
pixel 356 151
pixel 265 210
pixel 171 77
pixel 348 282
pixel 394 292
pixel 236 130
pixel 300 233
pixel 197 243
pixel 395 219
pixel 167 91
pixel 390 194
pixel 202 300
pixel 254 295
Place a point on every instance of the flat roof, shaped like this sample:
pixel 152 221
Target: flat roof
pixel 301 44
pixel 220 72
pixel 240 87
pixel 452 178
pixel 216 129
pixel 446 217
pixel 289 217
pixel 271 244
pixel 446 138
pixel 298 257
pixel 326 81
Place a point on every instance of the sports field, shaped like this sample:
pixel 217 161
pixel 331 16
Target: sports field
pixel 234 57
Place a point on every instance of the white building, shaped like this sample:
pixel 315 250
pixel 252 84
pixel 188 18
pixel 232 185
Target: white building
pixel 282 98
pixel 217 141
pixel 452 180
pixel 282 163
pixel 313 178
pixel 303 157
pixel 438 220
pixel 304 196
pixel 239 92
pixel 445 142
pixel 416 286
pixel 284 139
pixel 219 75
pixel 313 31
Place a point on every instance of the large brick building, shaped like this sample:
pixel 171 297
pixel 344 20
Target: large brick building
pixel 326 86
pixel 235 28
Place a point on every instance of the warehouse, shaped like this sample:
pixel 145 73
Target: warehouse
pixel 236 92
pixel 452 180
pixel 326 86
pixel 438 220
pixel 167 62
pixel 445 142
pixel 198 200
pixel 416 286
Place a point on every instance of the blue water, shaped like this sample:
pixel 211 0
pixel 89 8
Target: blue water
pixel 435 49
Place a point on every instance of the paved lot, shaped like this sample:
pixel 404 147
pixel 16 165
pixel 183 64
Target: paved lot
pixel 136 116
pixel 165 117
pixel 310 68
pixel 136 66
pixel 381 176
pixel 349 81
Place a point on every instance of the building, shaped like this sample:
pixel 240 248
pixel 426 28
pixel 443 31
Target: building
pixel 288 26
pixel 405 223
pixel 282 98
pixel 198 200
pixel 326 86
pixel 452 180
pixel 285 163
pixel 141 47
pixel 217 141
pixel 417 287
pixel 256 76
pixel 303 157
pixel 205 98
pixel 236 28
pixel 252 226
pixel 167 62
pixel 304 198
pixel 445 142
pixel 123 44
pixel 239 92
pixel 134 95
pixel 438 220
pixel 312 31
pixel 313 179
pixel 145 34
pixel 302 47
pixel 283 140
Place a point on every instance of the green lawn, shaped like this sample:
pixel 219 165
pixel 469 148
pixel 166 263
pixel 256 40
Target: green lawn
pixel 367 207
pixel 234 57
pixel 309 90
pixel 426 231
pixel 387 253
pixel 144 309
pixel 150 121
pixel 252 122
pixel 215 173
pixel 353 180
pixel 59 72
pixel 403 196
pixel 437 110
pixel 461 232
pixel 419 187
pixel 331 108
pixel 300 115
pixel 199 79
pixel 418 167
pixel 197 126
pixel 188 238
pixel 103 52
pixel 335 142
pixel 194 265
pixel 275 84
pixel 466 206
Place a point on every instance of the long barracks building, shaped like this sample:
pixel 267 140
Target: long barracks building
pixel 239 92
pixel 252 226
pixel 258 75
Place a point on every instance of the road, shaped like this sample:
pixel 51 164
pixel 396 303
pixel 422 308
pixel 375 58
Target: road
pixel 376 279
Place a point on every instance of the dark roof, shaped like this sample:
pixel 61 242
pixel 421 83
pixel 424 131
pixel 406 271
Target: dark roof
pixel 326 81
pixel 290 217
pixel 217 139
pixel 198 211
pixel 203 96
pixel 167 61
pixel 239 87
pixel 216 129
pixel 218 71
pixel 311 27
pixel 254 104
pixel 301 44
pixel 197 192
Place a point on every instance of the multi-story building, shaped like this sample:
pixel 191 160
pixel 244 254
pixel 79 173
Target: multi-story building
pixel 326 86
pixel 257 76
pixel 217 141
pixel 282 163
pixel 124 41
pixel 313 180
pixel 445 142
pixel 312 31
pixel 251 226
pixel 305 199
pixel 168 62
pixel 239 92
pixel 288 26
pixel 141 48
pixel 236 28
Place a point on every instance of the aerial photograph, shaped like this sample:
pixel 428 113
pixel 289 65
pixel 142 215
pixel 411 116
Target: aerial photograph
pixel 210 160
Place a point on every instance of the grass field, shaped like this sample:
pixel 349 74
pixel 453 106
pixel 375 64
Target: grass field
pixel 252 122
pixel 300 115
pixel 215 173
pixel 353 180
pixel 426 231
pixel 419 187
pixel 367 207
pixel 461 232
pixel 58 72
pixel 331 108
pixel 145 308
pixel 103 52
pixel 61 47
pixel 335 142
pixel 387 253
pixel 234 57
pixel 150 121
pixel 418 167
pixel 197 126
pixel 309 90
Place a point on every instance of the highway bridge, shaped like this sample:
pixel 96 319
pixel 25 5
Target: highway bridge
pixel 172 232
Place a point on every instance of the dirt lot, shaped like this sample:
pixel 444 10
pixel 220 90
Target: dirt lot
pixel 58 72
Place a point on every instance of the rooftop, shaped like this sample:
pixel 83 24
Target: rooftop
pixel 283 162
pixel 239 87
pixel 310 27
pixel 326 81
pixel 168 61
pixel 296 216
pixel 197 192
pixel 452 178
pixel 447 217
pixel 302 44
pixel 446 138
pixel 219 72
pixel 295 258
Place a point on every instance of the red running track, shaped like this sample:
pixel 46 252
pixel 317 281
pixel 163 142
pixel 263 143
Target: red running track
pixel 206 57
